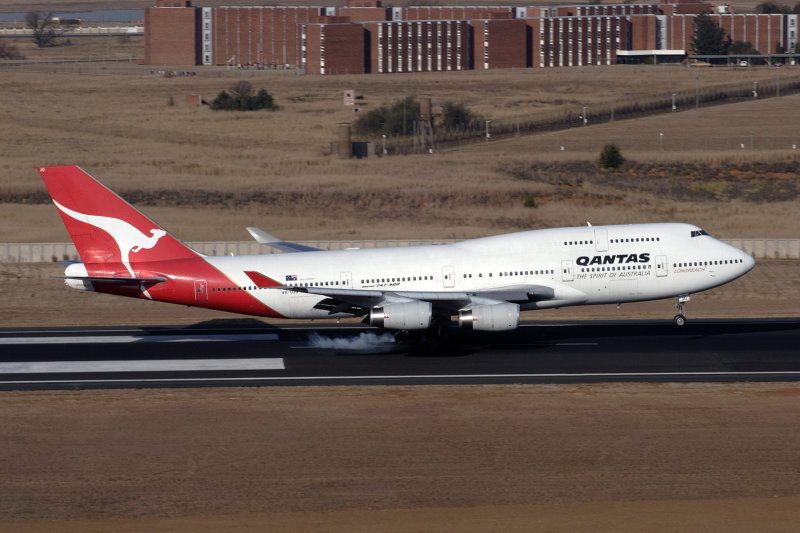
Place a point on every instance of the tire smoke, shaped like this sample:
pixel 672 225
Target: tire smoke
pixel 365 342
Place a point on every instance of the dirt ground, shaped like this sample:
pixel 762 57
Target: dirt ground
pixel 633 457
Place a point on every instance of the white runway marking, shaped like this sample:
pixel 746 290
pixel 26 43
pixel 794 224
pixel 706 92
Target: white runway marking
pixel 164 365
pixel 577 343
pixel 127 339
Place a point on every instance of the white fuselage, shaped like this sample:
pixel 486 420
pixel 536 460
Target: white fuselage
pixel 581 265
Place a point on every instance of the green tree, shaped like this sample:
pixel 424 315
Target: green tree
pixel 264 100
pixel 741 48
pixel 458 117
pixel 611 157
pixel 708 36
pixel 772 7
pixel 395 119
pixel 243 102
pixel 224 102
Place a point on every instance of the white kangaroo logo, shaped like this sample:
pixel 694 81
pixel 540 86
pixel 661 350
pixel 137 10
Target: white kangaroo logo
pixel 128 238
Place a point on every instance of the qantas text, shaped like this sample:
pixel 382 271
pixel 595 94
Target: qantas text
pixel 613 259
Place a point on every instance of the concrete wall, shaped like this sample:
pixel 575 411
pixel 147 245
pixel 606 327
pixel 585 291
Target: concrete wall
pixel 46 252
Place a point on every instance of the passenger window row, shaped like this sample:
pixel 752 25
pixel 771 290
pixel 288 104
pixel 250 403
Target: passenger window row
pixel 707 263
pixel 636 239
pixel 394 280
pixel 314 284
pixel 542 272
pixel 228 289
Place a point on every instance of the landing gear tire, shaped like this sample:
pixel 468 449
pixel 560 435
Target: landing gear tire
pixel 401 336
pixel 680 318
pixel 438 333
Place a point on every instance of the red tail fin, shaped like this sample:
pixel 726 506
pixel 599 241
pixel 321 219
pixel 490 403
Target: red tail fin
pixel 106 229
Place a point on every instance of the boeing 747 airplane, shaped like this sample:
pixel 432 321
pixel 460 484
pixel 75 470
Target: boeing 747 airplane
pixel 485 282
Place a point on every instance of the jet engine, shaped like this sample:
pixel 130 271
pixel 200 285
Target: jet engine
pixel 496 317
pixel 406 315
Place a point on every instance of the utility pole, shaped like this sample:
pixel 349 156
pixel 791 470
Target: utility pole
pixel 612 105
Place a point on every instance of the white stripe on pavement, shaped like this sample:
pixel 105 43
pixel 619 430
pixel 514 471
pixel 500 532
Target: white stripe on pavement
pixel 161 365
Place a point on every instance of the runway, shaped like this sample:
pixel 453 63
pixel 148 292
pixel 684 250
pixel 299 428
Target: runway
pixel 313 354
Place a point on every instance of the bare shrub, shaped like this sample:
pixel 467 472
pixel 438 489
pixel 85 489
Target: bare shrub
pixel 45 29
pixel 8 51
pixel 241 88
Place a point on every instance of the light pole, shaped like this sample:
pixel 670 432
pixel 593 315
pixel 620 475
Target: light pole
pixel 583 116
pixel 660 142
pixel 384 144
pixel 674 108
pixel 696 92
pixel 517 119
pixel 488 135
pixel 612 105
pixel 755 90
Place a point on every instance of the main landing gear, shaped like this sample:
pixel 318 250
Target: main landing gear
pixel 680 318
pixel 437 335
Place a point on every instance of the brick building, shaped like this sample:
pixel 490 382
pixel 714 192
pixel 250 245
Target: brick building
pixel 365 37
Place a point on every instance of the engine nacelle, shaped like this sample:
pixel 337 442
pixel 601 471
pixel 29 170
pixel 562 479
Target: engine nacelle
pixel 497 317
pixel 408 315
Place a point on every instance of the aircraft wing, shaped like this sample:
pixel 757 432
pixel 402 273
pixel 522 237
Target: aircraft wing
pixel 262 237
pixel 357 301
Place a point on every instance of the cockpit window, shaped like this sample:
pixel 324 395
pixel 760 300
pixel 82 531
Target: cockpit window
pixel 698 232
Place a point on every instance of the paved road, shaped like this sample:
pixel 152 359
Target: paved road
pixel 751 350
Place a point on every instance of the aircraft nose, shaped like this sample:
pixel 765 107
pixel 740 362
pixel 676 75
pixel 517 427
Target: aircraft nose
pixel 748 262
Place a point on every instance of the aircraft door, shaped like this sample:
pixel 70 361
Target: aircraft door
pixel 567 273
pixel 346 279
pixel 601 239
pixel 448 277
pixel 661 266
pixel 200 290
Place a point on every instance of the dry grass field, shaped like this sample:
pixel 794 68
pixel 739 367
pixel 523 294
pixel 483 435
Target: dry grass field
pixel 592 457
pixel 206 175
pixel 634 457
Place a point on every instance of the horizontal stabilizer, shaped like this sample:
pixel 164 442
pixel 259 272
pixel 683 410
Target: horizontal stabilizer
pixel 262 237
pixel 109 279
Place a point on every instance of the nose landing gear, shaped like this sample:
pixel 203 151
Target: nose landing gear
pixel 680 319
